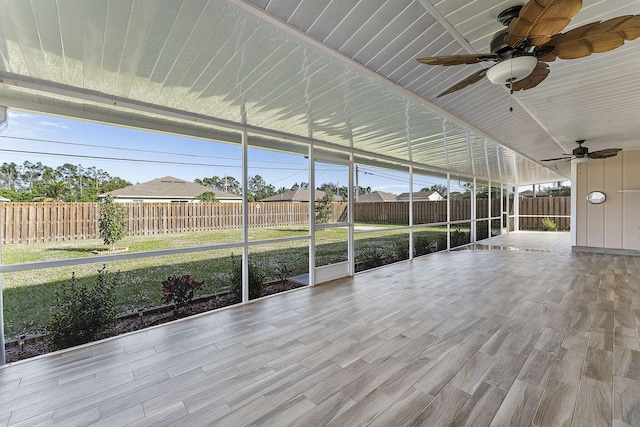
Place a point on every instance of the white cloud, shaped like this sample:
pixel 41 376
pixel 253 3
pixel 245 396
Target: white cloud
pixel 18 114
pixel 58 125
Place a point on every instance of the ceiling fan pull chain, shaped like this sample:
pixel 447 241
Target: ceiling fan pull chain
pixel 511 89
pixel 511 96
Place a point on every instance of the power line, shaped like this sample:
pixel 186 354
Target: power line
pixel 135 150
pixel 121 159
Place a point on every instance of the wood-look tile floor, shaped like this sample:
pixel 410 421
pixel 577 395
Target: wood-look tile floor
pixel 476 338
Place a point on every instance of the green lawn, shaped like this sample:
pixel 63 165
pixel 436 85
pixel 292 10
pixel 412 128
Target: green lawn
pixel 29 295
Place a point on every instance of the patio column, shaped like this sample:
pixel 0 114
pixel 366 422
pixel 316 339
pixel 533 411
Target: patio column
pixel 516 209
pixel 574 203
pixel 474 214
pixel 245 217
pixel 506 208
pixel 351 218
pixel 489 210
pixel 410 212
pixel 312 217
pixel 448 211
pixel 3 360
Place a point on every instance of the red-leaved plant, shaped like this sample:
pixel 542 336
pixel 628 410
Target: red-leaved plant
pixel 179 290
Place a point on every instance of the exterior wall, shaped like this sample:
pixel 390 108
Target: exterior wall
pixel 614 224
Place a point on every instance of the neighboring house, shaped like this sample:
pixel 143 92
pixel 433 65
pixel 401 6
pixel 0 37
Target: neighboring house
pixel 4 199
pixel 168 189
pixel 431 196
pixel 299 195
pixel 376 196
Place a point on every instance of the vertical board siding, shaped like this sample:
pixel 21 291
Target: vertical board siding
pixel 23 223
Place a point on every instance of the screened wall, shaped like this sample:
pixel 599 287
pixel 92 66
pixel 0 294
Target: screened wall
pixel 265 232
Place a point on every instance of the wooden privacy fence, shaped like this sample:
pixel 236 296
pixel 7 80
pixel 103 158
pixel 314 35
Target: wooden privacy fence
pixel 424 212
pixel 534 209
pixel 49 222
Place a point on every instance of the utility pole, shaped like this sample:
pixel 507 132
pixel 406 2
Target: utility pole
pixel 357 186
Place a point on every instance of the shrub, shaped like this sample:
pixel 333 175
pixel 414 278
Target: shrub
pixel 179 290
pixel 459 238
pixel 421 244
pixel 256 279
pixel 401 250
pixel 112 222
pixel 482 230
pixel 372 257
pixel 283 273
pixel 82 313
pixel 549 225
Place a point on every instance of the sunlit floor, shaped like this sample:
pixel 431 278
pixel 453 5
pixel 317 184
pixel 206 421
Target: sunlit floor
pixel 476 337
pixel 531 241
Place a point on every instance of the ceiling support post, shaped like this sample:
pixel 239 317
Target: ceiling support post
pixel 574 204
pixel 245 217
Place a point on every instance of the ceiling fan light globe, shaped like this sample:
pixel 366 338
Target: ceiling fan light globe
pixel 579 160
pixel 512 70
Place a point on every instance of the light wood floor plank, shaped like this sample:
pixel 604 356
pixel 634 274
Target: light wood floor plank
pixel 557 405
pixel 443 409
pixel 481 407
pixel 594 404
pixel 626 401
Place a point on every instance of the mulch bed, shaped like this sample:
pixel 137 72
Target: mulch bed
pixel 37 345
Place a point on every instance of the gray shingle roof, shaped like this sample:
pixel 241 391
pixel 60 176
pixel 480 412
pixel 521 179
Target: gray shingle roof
pixel 377 196
pixel 299 195
pixel 169 188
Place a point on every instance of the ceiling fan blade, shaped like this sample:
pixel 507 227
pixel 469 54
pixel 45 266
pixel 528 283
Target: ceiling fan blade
pixel 603 154
pixel 458 59
pixel 567 157
pixel 595 37
pixel 473 78
pixel 532 80
pixel 540 19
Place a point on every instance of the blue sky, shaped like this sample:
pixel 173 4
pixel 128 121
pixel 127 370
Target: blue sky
pixel 140 156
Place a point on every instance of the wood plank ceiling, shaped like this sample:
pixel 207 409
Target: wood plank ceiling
pixel 594 98
pixel 342 72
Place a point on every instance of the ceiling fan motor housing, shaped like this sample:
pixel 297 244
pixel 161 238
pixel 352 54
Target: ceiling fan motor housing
pixel 580 151
pixel 498 46
pixel 505 17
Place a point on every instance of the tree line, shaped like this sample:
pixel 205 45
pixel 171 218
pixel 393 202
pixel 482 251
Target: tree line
pixel 30 182
pixel 258 188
